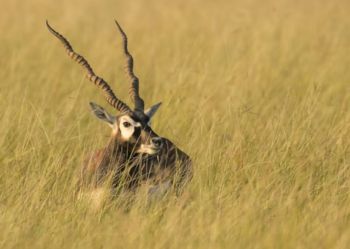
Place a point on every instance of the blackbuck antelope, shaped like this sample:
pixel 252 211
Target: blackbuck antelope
pixel 135 155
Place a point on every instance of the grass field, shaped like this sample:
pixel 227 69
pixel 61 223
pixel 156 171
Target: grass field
pixel 257 92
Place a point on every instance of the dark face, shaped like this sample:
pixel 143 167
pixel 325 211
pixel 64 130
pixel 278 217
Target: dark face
pixel 134 130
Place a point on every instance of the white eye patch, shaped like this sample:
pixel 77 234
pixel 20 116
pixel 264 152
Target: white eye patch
pixel 127 126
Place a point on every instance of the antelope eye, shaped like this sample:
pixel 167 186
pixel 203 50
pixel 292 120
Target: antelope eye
pixel 126 124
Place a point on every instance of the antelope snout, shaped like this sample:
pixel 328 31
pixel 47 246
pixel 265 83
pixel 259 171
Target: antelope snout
pixel 157 142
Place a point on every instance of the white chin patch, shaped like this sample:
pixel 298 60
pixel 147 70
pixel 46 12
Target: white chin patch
pixel 147 149
pixel 126 132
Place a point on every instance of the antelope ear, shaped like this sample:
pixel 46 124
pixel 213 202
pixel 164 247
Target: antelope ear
pixel 101 113
pixel 152 110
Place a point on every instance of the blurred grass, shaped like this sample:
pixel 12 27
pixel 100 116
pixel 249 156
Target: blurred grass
pixel 258 93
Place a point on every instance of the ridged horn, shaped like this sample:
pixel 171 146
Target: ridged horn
pixel 129 69
pixel 98 81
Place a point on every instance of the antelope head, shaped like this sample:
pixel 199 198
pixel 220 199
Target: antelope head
pixel 130 127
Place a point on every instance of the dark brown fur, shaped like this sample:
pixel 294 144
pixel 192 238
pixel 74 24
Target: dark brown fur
pixel 128 170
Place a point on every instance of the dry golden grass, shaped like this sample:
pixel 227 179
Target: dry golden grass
pixel 257 92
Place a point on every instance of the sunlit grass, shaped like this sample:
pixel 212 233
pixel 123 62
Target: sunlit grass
pixel 257 92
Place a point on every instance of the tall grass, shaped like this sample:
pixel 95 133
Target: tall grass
pixel 257 92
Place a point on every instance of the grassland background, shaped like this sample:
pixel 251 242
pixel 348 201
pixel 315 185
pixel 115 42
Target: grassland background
pixel 257 92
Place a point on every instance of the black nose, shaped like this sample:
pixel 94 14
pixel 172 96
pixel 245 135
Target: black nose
pixel 157 141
